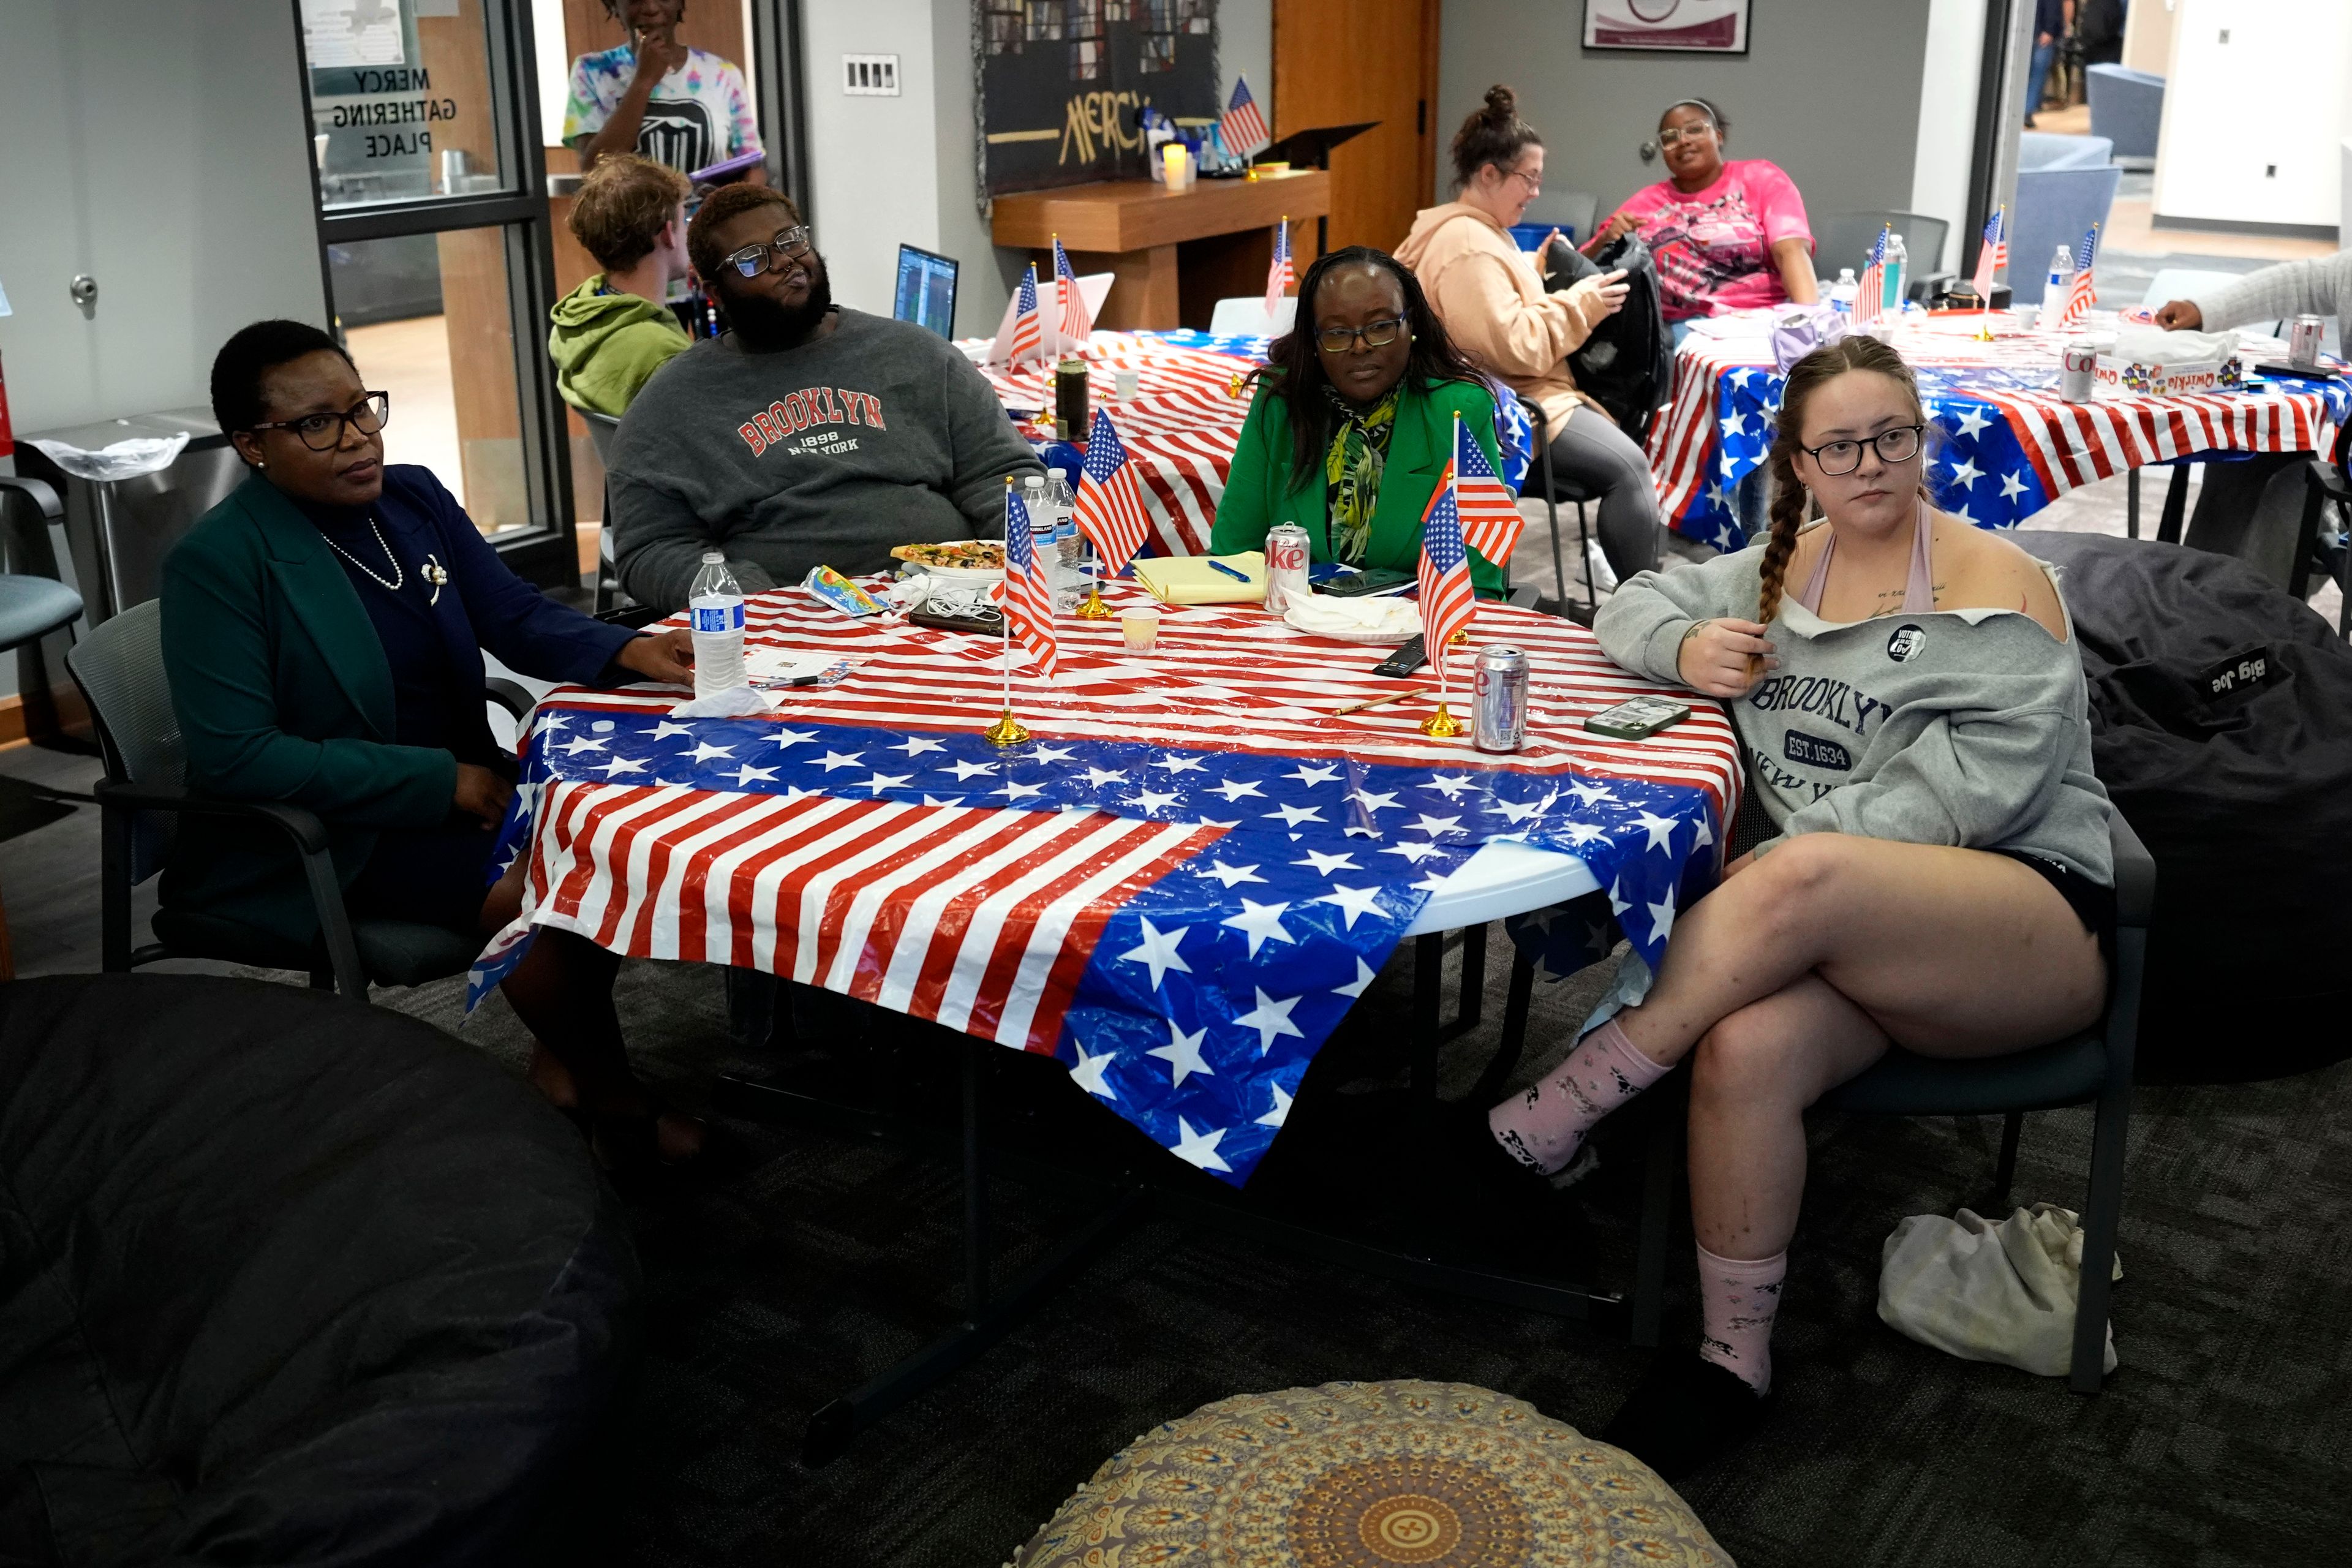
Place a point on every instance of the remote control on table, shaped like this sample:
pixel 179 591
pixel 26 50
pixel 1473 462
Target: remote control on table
pixel 1405 661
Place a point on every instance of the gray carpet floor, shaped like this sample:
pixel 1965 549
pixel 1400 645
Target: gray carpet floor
pixel 2224 1437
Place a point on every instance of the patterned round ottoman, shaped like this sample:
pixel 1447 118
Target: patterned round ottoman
pixel 1371 1475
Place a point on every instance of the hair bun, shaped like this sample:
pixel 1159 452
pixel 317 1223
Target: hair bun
pixel 1502 103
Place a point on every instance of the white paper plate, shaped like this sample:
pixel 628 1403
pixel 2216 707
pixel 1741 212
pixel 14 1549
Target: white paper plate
pixel 963 573
pixel 1396 631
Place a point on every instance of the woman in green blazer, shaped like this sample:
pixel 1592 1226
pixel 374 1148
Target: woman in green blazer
pixel 1353 423
pixel 322 633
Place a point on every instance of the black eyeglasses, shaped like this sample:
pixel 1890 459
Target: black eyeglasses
pixel 1371 335
pixel 324 431
pixel 1839 459
pixel 788 246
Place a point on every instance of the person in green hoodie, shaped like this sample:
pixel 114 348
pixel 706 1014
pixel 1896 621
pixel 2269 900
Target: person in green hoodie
pixel 1353 423
pixel 613 332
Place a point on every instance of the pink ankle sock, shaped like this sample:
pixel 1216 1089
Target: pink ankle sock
pixel 1542 1128
pixel 1737 1298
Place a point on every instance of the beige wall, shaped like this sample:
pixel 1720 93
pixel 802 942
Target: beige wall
pixel 2147 35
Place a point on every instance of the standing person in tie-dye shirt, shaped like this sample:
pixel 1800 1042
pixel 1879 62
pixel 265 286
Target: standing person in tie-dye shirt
pixel 655 97
pixel 1727 235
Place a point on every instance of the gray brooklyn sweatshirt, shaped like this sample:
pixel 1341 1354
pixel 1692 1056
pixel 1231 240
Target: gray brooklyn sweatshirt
pixel 879 433
pixel 1962 727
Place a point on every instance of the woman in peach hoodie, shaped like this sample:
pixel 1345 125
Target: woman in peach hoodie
pixel 1490 295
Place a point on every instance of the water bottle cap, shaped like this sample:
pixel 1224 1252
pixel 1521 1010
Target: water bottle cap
pixel 1059 473
pixel 1033 482
pixel 710 555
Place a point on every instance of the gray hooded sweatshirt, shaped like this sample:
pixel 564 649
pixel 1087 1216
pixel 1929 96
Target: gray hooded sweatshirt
pixel 1962 727
pixel 878 433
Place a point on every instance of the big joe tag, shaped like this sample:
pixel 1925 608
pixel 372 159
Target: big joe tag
pixel 2238 674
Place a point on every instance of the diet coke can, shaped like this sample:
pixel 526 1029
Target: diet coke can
pixel 2302 341
pixel 2076 360
pixel 1498 721
pixel 1285 566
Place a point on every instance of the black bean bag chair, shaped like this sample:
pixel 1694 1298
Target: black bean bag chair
pixel 286 1279
pixel 2222 713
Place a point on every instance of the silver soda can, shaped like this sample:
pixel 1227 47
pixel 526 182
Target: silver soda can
pixel 1499 708
pixel 2302 341
pixel 2076 360
pixel 1285 566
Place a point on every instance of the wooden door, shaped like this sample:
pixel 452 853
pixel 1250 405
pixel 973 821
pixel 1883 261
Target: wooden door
pixel 1337 62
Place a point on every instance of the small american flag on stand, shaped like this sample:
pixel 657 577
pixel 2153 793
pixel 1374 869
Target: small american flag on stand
pixel 1243 128
pixel 1028 597
pixel 1028 325
pixel 1870 301
pixel 1488 513
pixel 1448 602
pixel 1078 323
pixel 1278 273
pixel 1992 255
pixel 2083 293
pixel 1110 504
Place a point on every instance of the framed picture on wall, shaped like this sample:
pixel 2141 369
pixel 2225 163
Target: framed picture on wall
pixel 1700 27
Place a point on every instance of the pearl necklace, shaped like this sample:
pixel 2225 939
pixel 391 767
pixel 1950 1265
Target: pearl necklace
pixel 399 575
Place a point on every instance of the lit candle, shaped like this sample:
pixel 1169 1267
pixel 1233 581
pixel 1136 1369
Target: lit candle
pixel 1172 159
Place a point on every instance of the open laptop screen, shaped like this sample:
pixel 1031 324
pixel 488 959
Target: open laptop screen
pixel 927 290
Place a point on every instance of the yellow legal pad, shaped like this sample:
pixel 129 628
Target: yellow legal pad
pixel 1191 580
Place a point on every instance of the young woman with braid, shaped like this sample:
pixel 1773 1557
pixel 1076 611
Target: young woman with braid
pixel 1911 703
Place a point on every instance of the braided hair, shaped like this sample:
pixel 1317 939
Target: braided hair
pixel 1807 376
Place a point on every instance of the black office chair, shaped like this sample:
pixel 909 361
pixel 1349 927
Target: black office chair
pixel 601 427
pixel 2093 1068
pixel 120 668
pixel 1557 488
pixel 31 606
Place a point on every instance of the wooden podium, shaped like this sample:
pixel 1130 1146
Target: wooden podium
pixel 1175 254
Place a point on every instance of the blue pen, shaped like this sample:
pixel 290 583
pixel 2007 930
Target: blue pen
pixel 1217 565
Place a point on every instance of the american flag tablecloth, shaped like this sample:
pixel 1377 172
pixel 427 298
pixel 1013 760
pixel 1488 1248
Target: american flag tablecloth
pixel 1186 418
pixel 2012 445
pixel 1177 887
pixel 1182 427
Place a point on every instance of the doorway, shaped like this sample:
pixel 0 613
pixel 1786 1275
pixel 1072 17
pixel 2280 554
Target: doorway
pixel 1337 62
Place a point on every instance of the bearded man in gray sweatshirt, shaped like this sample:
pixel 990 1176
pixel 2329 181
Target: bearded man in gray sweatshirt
pixel 808 436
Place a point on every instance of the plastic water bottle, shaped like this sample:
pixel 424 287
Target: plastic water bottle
pixel 1069 547
pixel 717 601
pixel 1844 291
pixel 1897 261
pixel 1038 501
pixel 2061 278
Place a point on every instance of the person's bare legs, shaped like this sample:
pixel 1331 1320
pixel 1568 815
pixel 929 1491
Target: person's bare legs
pixel 1952 951
pixel 1755 1074
pixel 562 992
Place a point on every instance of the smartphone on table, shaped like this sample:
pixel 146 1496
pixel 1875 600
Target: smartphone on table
pixel 1637 718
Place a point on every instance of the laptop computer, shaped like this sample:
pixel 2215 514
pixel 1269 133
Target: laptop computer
pixel 925 294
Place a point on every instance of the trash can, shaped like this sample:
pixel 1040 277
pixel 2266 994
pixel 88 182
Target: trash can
pixel 119 530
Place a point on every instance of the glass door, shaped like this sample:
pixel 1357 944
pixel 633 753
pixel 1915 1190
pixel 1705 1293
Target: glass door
pixel 434 220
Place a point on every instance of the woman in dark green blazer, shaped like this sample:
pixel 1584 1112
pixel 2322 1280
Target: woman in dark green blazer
pixel 1353 423
pixel 322 633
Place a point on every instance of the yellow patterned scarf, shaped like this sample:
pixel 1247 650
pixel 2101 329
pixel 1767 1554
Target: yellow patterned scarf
pixel 1351 471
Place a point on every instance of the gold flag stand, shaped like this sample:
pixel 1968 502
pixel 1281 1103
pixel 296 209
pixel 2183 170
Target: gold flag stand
pixel 1007 730
pixel 1442 725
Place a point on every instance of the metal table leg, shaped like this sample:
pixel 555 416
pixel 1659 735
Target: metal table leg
pixel 988 1316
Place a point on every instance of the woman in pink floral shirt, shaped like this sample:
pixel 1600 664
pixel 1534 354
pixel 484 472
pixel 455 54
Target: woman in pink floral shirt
pixel 1727 235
